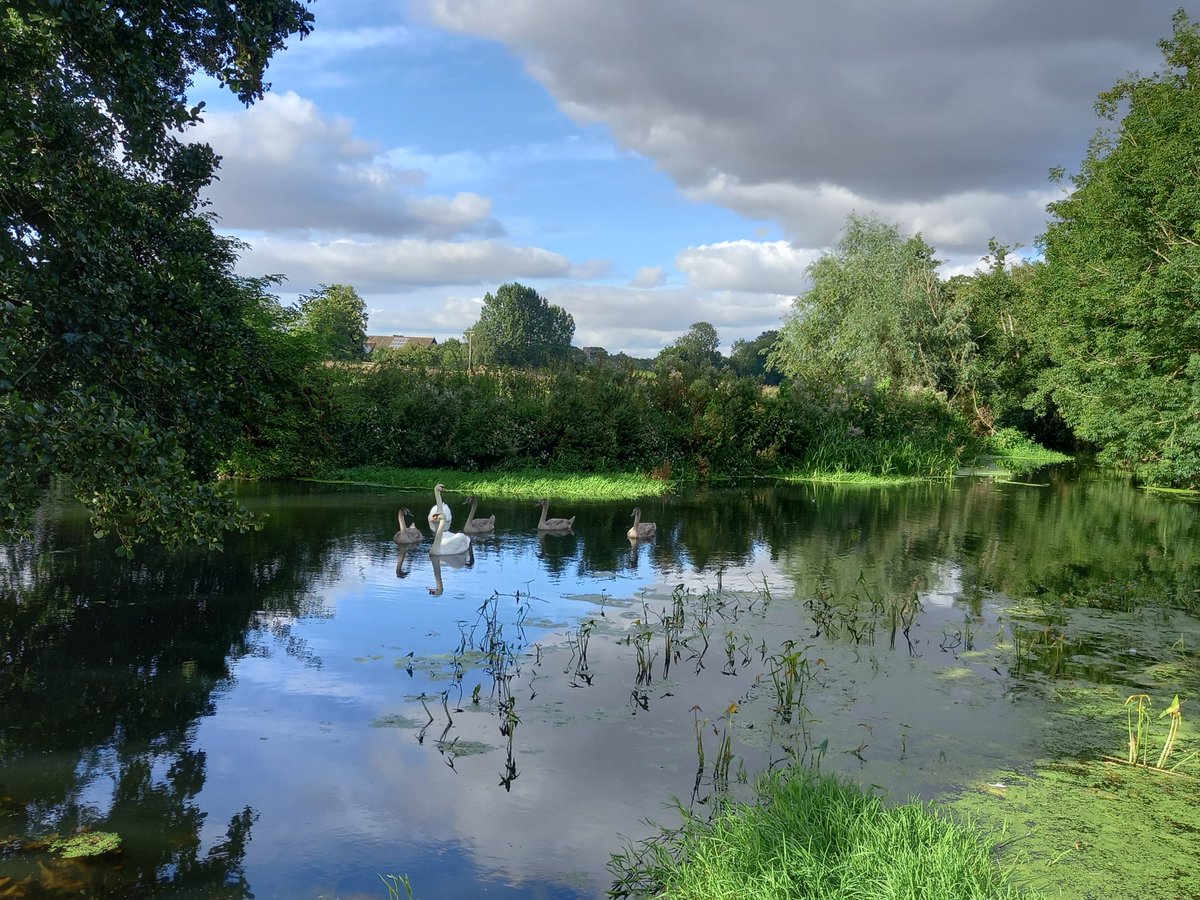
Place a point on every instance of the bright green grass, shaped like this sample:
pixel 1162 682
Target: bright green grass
pixel 524 485
pixel 1009 445
pixel 862 479
pixel 816 836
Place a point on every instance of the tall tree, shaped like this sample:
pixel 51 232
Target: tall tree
pixel 337 318
pixel 1008 351
pixel 124 341
pixel 749 358
pixel 520 327
pixel 1120 286
pixel 696 348
pixel 876 310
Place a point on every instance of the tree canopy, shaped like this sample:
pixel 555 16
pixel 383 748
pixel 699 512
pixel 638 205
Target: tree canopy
pixel 337 319
pixel 696 348
pixel 749 358
pixel 520 327
pixel 876 311
pixel 1119 288
pixel 126 359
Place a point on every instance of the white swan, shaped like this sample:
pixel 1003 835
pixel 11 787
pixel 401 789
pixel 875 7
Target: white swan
pixel 545 524
pixel 641 531
pixel 408 534
pixel 478 526
pixel 432 519
pixel 446 544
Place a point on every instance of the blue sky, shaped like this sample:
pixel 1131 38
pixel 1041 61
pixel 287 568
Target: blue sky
pixel 650 165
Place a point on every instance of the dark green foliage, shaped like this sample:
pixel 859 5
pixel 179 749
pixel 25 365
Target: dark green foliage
pixel 288 435
pixel 748 359
pixel 337 319
pixel 1008 350
pixel 1120 290
pixel 520 327
pixel 860 428
pixel 694 351
pixel 599 419
pixel 124 341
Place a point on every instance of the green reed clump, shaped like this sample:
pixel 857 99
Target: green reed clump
pixel 814 836
pixel 1137 708
pixel 531 484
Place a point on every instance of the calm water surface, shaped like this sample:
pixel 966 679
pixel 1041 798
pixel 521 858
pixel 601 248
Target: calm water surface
pixel 313 707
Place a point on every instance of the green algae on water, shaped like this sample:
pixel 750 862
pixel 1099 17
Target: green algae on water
pixel 1095 829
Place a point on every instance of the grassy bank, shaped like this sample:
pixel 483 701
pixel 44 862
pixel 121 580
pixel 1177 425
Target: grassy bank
pixel 528 484
pixel 1009 448
pixel 815 836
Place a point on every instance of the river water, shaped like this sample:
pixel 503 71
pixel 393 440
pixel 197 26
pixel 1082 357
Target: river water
pixel 314 708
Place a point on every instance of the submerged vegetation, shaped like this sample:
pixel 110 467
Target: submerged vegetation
pixel 816 836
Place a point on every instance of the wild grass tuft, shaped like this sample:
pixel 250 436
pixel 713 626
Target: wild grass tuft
pixel 1011 446
pixel 815 836
pixel 521 485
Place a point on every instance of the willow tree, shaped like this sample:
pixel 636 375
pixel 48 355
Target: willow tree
pixel 876 311
pixel 127 354
pixel 1120 286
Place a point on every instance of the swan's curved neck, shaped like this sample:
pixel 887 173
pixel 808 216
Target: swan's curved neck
pixel 542 520
pixel 637 518
pixel 441 527
pixel 471 514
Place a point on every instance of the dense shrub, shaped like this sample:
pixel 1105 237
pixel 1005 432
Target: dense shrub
pixel 695 422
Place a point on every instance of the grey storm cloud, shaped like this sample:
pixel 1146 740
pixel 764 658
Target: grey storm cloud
pixel 895 104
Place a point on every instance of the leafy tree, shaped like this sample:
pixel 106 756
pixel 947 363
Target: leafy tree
pixel 124 341
pixel 876 311
pixel 1008 349
pixel 1120 292
pixel 520 327
pixel 337 318
pixel 694 349
pixel 749 358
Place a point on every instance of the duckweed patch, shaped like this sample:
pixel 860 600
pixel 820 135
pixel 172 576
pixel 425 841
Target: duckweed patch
pixel 396 721
pixel 87 844
pixel 1094 829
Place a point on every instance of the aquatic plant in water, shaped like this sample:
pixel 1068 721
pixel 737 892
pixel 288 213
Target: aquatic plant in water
pixel 1138 724
pixel 87 843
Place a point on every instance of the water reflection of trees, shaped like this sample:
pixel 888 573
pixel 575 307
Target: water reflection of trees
pixel 106 667
pixel 1079 539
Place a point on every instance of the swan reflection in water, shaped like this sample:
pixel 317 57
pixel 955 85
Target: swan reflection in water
pixel 456 561
pixel 401 559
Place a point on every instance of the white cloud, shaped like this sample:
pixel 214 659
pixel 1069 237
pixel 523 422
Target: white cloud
pixel 394 266
pixel 952 223
pixel 289 168
pixel 353 40
pixel 770 267
pixel 641 321
pixel 649 277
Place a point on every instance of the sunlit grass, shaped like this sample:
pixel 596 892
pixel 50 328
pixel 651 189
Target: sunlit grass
pixel 1011 446
pixel 521 485
pixel 840 476
pixel 816 836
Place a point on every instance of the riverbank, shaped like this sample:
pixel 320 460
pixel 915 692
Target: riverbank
pixel 1004 453
pixel 808 835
